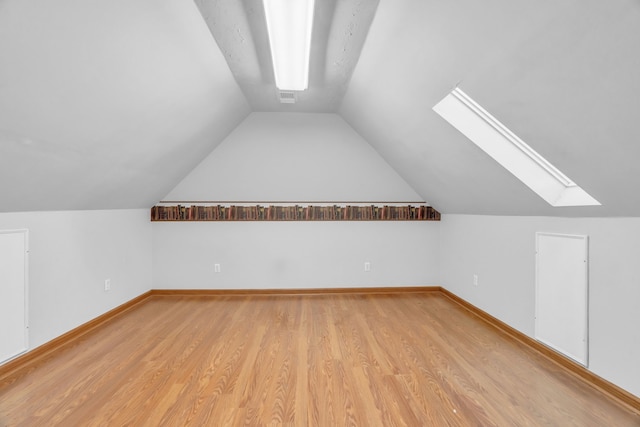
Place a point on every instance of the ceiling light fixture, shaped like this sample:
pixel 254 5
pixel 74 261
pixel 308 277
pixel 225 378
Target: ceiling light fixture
pixel 289 23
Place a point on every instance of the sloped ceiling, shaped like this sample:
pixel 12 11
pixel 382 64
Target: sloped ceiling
pixel 339 31
pixel 109 104
pixel 561 75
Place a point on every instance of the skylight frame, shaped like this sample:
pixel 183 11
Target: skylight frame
pixel 504 146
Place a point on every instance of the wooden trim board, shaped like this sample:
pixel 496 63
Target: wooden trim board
pixel 629 400
pixel 313 291
pixel 17 365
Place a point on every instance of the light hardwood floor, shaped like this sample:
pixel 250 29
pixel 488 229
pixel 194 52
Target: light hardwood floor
pixel 304 360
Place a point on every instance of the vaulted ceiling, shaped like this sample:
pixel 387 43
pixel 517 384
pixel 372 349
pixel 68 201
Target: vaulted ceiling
pixel 108 104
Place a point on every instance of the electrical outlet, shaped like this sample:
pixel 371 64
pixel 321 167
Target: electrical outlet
pixel 367 266
pixel 475 280
pixel 216 268
pixel 107 285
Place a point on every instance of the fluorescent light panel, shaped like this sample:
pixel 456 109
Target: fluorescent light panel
pixel 289 23
pixel 511 152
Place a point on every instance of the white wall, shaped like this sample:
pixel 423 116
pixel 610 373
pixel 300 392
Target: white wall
pixel 294 157
pixel 71 254
pixel 501 251
pixel 294 255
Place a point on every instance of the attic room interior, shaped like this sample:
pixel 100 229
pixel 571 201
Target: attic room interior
pixel 111 316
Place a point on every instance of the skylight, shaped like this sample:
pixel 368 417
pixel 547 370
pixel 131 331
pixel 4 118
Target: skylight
pixel 511 152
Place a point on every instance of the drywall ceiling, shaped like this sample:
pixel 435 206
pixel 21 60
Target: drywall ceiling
pixel 339 31
pixel 109 104
pixel 561 75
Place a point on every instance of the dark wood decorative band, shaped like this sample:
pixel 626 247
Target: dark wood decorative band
pixel 595 381
pixel 291 202
pixel 22 362
pixel 318 291
pixel 294 213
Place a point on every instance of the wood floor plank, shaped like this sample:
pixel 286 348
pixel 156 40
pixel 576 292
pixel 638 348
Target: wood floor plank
pixel 301 360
